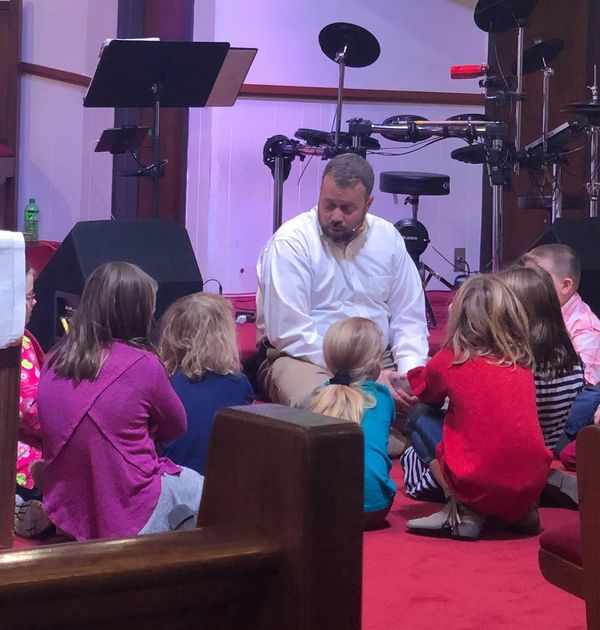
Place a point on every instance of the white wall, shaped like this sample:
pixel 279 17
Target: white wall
pixel 419 40
pixel 229 204
pixel 57 163
pixel 229 209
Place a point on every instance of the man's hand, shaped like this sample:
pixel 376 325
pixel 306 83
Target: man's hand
pixel 597 415
pixel 399 389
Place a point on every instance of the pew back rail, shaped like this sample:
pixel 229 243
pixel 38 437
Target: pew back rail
pixel 279 543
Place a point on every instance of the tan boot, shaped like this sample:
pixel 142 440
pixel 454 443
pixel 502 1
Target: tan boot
pixel 468 523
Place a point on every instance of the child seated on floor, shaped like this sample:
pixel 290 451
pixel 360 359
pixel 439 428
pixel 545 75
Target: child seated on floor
pixel 198 346
pixel 352 350
pixel 558 370
pixel 30 519
pixel 563 265
pixel 103 398
pixel 486 453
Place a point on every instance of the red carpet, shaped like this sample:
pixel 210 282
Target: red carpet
pixel 416 583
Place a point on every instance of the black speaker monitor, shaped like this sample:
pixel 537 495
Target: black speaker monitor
pixel 583 235
pixel 161 248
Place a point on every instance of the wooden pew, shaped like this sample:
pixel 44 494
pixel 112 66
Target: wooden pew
pixel 570 557
pixel 279 543
pixel 10 378
pixel 588 481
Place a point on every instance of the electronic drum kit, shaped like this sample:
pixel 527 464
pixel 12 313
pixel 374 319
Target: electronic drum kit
pixel 487 141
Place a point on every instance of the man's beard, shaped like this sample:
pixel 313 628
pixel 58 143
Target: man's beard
pixel 343 236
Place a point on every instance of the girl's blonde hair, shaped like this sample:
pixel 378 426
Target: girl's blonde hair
pixel 487 320
pixel 352 350
pixel 197 335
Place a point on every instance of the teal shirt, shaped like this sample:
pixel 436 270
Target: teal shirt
pixel 379 487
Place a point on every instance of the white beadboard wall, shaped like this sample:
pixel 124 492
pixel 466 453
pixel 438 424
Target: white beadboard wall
pixel 229 200
pixel 230 191
pixel 230 208
pixel 57 163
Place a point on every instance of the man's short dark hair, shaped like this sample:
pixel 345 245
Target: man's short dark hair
pixel 348 170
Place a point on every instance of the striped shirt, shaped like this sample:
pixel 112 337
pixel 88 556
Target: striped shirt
pixel 554 399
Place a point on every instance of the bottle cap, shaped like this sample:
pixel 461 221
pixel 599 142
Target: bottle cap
pixel 31 199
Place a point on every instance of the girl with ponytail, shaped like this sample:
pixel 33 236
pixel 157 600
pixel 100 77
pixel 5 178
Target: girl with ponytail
pixel 352 349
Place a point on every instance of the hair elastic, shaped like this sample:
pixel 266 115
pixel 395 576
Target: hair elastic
pixel 340 378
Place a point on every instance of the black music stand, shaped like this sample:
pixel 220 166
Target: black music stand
pixel 141 73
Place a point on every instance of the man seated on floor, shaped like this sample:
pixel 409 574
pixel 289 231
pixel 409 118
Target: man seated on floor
pixel 332 262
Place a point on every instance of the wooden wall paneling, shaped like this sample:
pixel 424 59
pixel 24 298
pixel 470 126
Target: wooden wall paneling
pixel 550 19
pixel 130 24
pixel 132 197
pixel 10 50
pixel 172 21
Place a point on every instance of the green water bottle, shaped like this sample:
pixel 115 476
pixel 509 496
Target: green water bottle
pixel 31 230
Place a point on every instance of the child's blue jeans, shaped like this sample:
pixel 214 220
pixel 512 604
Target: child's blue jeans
pixel 424 424
pixel 582 413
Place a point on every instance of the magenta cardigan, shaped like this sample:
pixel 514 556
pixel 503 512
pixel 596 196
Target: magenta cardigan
pixel 102 476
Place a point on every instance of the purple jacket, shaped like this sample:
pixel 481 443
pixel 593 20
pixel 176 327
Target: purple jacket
pixel 102 476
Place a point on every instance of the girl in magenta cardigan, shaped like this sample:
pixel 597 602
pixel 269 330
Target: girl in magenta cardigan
pixel 103 399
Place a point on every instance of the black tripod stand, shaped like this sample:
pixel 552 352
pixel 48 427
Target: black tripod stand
pixel 414 233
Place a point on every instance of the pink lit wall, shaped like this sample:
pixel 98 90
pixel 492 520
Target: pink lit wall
pixel 229 197
pixel 229 210
pixel 57 163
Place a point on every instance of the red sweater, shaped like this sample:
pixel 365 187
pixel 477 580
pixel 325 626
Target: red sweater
pixel 492 452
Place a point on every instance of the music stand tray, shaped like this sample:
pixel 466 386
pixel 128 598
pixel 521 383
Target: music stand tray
pixel 122 139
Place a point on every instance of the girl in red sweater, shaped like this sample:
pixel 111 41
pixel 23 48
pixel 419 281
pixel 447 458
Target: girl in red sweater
pixel 490 459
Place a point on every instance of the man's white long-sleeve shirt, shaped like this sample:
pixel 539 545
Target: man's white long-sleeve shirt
pixel 307 283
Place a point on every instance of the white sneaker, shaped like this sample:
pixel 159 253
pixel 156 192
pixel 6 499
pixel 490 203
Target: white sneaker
pixel 30 518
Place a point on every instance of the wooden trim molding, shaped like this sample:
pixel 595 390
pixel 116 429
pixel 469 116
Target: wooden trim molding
pixel 292 92
pixel 62 76
pixel 360 95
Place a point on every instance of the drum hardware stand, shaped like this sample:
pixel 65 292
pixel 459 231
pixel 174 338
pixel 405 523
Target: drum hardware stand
pixel 413 231
pixel 593 186
pixel 519 95
pixel 498 165
pixel 340 59
pixel 348 45
pixel 278 154
pixel 557 195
